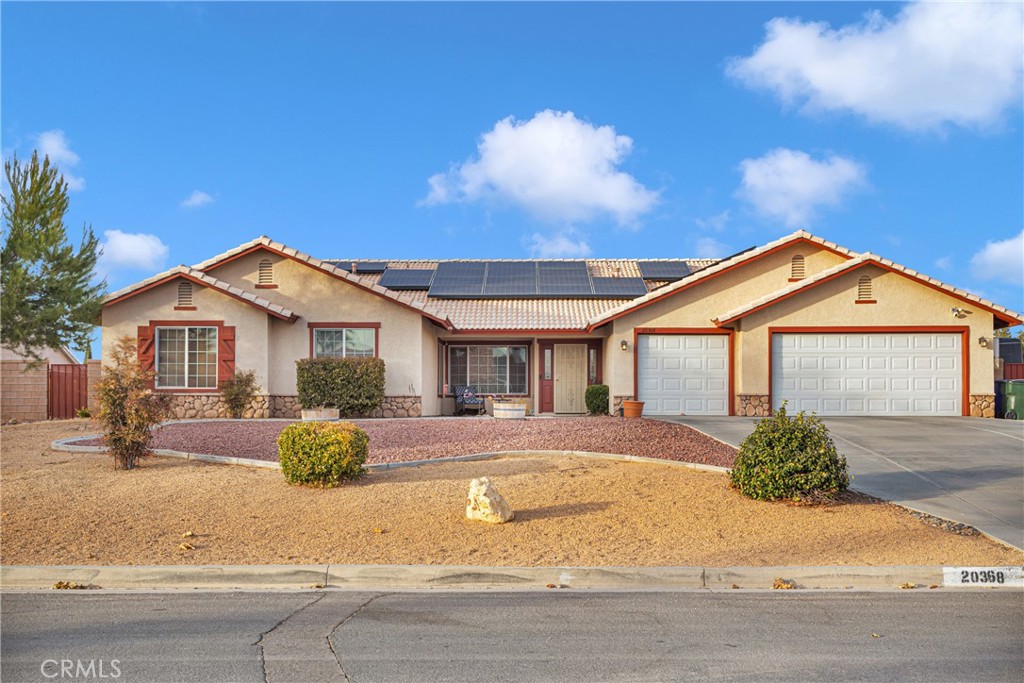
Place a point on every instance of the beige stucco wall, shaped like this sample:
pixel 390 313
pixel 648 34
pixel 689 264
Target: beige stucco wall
pixel 901 302
pixel 697 306
pixel 317 297
pixel 158 303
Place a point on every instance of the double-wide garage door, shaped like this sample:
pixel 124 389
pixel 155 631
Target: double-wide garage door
pixel 683 374
pixel 868 373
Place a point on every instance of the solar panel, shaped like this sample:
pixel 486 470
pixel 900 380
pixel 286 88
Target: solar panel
pixel 361 266
pixel 615 287
pixel 663 270
pixel 458 279
pixel 511 278
pixel 563 278
pixel 407 279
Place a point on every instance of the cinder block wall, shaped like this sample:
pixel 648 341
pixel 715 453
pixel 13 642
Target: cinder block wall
pixel 23 392
pixel 94 373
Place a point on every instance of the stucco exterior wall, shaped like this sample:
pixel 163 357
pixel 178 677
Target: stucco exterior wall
pixel 900 302
pixel 251 326
pixel 697 306
pixel 319 298
pixel 431 402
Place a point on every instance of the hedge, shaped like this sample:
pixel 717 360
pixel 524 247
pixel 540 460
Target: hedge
pixel 355 386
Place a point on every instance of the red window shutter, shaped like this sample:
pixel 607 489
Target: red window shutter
pixel 225 353
pixel 147 349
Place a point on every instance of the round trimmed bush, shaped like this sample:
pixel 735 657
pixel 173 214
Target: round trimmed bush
pixel 322 453
pixel 596 398
pixel 789 458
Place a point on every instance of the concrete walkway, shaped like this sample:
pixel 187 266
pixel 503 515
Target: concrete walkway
pixel 966 469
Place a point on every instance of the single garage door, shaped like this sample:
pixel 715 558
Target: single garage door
pixel 683 374
pixel 868 374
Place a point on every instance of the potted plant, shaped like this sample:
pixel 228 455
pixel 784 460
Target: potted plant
pixel 632 408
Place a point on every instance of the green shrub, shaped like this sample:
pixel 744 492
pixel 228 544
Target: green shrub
pixel 597 399
pixel 129 408
pixel 322 453
pixel 237 392
pixel 355 386
pixel 83 412
pixel 789 457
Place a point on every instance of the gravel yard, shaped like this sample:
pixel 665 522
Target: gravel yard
pixel 74 508
pixel 426 438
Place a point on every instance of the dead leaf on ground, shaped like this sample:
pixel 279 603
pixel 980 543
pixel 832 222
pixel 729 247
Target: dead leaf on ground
pixel 186 546
pixel 376 530
pixel 188 534
pixel 908 584
pixel 875 635
pixel 68 585
pixel 782 584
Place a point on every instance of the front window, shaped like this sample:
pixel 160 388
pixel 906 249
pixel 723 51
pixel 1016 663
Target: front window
pixel 491 369
pixel 343 342
pixel 186 357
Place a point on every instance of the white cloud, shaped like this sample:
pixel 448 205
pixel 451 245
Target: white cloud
pixel 196 199
pixel 709 247
pixel 716 223
pixel 566 244
pixel 54 145
pixel 555 166
pixel 131 251
pixel 1001 260
pixel 933 63
pixel 944 263
pixel 788 184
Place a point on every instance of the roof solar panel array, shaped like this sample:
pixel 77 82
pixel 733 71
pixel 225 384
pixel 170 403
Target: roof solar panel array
pixel 360 266
pixel 663 270
pixel 510 278
pixel 563 278
pixel 459 279
pixel 411 279
pixel 619 287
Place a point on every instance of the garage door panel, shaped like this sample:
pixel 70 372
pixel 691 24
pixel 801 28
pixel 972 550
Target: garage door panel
pixel 683 374
pixel 872 374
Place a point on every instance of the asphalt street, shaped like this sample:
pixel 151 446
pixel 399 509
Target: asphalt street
pixel 966 469
pixel 554 635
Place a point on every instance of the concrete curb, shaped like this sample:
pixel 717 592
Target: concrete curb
pixel 70 445
pixel 421 577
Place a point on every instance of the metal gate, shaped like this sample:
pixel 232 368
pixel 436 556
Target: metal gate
pixel 68 390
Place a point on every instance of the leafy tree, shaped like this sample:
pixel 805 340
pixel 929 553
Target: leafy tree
pixel 1005 333
pixel 47 296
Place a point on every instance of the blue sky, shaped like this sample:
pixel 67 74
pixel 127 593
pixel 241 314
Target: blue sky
pixel 389 130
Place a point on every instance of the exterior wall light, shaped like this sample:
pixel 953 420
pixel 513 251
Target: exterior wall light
pixel 624 345
pixel 983 342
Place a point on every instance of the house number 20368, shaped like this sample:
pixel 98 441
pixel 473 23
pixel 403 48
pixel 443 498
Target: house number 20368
pixel 983 576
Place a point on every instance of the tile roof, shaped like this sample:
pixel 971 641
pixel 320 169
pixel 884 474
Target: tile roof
pixel 711 270
pixel 199 276
pixel 859 261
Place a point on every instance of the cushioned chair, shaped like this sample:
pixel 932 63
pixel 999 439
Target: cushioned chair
pixel 466 399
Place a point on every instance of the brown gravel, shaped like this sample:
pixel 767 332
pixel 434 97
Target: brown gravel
pixel 426 438
pixel 70 508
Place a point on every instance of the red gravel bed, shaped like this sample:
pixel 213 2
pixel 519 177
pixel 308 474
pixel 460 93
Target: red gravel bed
pixel 426 438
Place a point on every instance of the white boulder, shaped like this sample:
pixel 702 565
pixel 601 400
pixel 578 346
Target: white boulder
pixel 486 504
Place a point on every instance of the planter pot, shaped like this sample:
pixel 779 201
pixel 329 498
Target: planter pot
pixel 320 414
pixel 509 411
pixel 632 408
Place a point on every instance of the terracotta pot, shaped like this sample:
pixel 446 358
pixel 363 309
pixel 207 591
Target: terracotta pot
pixel 632 408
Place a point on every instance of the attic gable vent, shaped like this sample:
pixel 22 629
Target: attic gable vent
pixel 864 288
pixel 184 293
pixel 797 269
pixel 266 272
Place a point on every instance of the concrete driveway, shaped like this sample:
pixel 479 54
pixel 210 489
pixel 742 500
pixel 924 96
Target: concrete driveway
pixel 966 469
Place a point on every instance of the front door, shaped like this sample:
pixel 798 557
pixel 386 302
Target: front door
pixel 570 378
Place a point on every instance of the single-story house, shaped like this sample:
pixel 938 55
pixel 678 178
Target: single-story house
pixel 800 320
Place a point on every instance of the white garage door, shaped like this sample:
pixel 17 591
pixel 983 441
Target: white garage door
pixel 867 374
pixel 683 374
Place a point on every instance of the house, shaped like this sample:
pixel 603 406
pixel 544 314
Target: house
pixel 800 320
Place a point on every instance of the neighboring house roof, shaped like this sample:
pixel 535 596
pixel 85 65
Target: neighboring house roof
pixel 265 243
pixel 718 268
pixel 60 355
pixel 201 278
pixel 867 258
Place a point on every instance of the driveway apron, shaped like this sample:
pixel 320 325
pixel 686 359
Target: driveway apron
pixel 965 469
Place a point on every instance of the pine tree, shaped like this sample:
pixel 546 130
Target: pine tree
pixel 47 296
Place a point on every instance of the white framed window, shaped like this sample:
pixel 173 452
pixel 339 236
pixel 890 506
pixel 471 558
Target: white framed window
pixel 492 369
pixel 344 342
pixel 186 357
